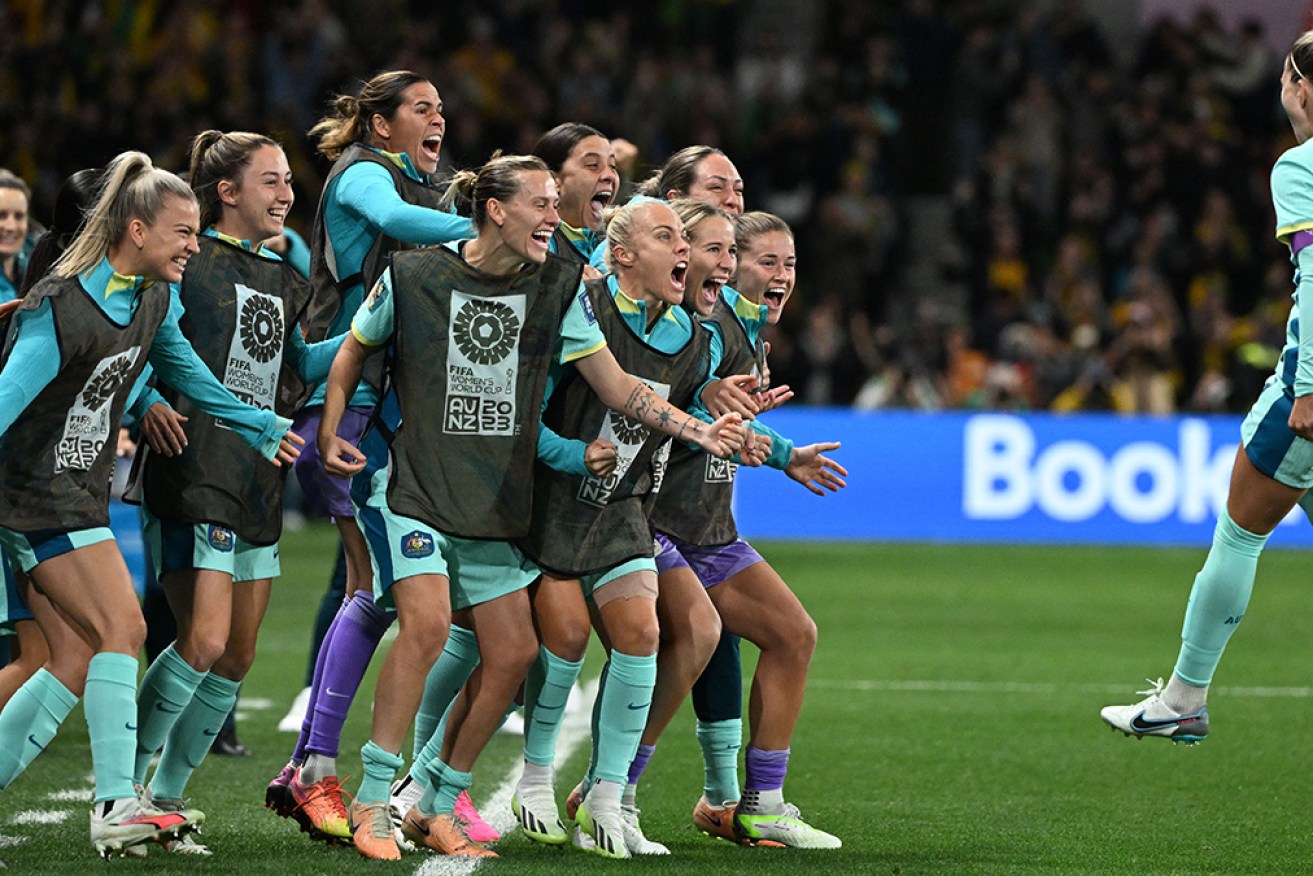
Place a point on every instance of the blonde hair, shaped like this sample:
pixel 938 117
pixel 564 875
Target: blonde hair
pixel 133 188
pixel 620 227
pixel 693 213
pixel 499 179
pixel 349 118
pixel 216 156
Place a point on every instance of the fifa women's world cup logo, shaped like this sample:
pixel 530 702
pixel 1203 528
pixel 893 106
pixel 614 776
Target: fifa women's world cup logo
pixel 255 354
pixel 628 436
pixel 483 351
pixel 87 424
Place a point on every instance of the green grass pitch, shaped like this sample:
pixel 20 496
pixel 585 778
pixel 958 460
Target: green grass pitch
pixel 951 725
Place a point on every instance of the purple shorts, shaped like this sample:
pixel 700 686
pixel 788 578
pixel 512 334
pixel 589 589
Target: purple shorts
pixel 712 565
pixel 325 495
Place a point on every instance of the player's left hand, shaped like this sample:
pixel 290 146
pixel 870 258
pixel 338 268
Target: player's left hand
pixel 161 428
pixel 818 473
pixel 289 448
pixel 1301 417
pixel 600 457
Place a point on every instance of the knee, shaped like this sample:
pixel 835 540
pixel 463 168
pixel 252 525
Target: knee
pixel 638 639
pixel 202 650
pixel 127 635
pixel 236 661
pixel 423 635
pixel 801 637
pixel 568 641
pixel 513 656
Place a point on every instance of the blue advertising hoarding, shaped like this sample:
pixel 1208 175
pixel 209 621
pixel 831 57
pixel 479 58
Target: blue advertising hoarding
pixel 996 477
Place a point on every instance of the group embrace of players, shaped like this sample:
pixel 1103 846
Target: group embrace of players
pixel 522 405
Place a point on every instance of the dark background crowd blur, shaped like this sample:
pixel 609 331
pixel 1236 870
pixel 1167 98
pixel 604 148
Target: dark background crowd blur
pixel 998 204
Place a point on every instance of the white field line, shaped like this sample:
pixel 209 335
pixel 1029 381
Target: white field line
pixel 255 704
pixel 7 841
pixel 72 795
pixel 1041 688
pixel 496 810
pixel 41 816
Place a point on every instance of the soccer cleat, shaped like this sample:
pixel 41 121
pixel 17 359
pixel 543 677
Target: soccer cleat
pixel 319 808
pixel 444 834
pixel 295 717
pixel 278 796
pixel 718 822
pixel 405 793
pixel 119 825
pixel 572 803
pixel 1153 717
pixel 185 846
pixel 606 828
pixel 785 827
pixel 472 822
pixel 535 809
pixel 371 830
pixel 635 841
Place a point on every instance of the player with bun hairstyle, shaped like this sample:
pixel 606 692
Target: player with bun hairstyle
pixel 1273 468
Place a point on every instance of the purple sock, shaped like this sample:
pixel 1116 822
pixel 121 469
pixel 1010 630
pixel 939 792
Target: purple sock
pixel 639 763
pixel 359 631
pixel 766 769
pixel 308 723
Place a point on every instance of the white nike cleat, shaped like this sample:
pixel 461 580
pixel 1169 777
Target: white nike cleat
pixel 1153 717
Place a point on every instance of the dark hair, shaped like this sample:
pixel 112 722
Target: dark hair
pixel 348 120
pixel 11 180
pixel 555 146
pixel 216 156
pixel 72 202
pixel 677 173
pixel 499 178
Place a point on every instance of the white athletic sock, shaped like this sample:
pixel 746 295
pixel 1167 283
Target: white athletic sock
pixel 1182 697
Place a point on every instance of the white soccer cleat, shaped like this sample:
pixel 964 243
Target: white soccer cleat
pixel 605 826
pixel 188 844
pixel 1153 717
pixel 635 841
pixel 119 825
pixel 535 810
pixel 785 827
pixel 295 717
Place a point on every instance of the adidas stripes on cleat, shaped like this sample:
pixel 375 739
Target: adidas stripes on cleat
pixel 606 828
pixel 535 810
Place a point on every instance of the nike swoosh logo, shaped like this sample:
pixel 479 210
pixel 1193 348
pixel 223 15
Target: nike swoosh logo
pixel 1140 723
pixel 714 819
pixel 132 727
pixel 32 739
pixel 421 829
pixel 333 693
pixel 643 706
pixel 208 732
pixel 164 708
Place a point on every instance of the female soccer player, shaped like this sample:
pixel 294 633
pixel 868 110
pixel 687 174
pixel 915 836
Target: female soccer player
pixel 583 163
pixel 77 345
pixel 386 143
pixel 212 516
pixel 1273 468
pixel 472 331
pixel 15 198
pixel 751 598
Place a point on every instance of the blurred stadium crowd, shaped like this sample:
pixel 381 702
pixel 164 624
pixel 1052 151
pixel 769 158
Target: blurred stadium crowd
pixel 995 207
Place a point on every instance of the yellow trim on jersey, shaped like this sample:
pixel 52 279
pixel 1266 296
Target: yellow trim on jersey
pixel 1284 234
pixel 584 354
pixel 361 338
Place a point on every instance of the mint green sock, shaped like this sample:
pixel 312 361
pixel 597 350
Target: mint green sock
pixel 380 769
pixel 1217 600
pixel 445 785
pixel 595 724
pixel 720 741
pixel 458 659
pixel 545 693
pixel 193 734
pixel 110 705
pixel 30 721
pixel 166 689
pixel 622 714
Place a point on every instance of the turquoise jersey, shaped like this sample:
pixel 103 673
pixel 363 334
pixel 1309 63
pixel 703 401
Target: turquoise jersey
pixel 34 360
pixel 359 205
pixel 1292 200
